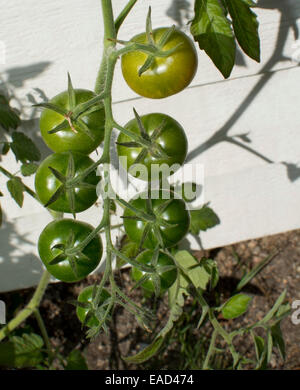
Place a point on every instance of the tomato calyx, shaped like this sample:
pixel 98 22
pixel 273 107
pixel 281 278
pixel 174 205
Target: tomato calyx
pixel 153 222
pixel 157 46
pixel 152 48
pixel 73 117
pixel 148 143
pixel 93 306
pixel 68 184
pixel 154 280
pixel 67 253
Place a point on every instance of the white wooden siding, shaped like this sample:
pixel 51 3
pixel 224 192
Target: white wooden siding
pixel 255 191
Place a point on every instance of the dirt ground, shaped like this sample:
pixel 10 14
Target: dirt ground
pixel 125 337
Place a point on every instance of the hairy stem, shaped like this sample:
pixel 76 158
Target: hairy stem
pixel 29 309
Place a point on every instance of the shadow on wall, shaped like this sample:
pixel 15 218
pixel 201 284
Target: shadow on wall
pixel 17 261
pixel 10 81
pixel 180 11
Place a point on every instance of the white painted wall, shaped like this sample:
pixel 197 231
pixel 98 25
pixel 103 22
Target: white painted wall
pixel 255 192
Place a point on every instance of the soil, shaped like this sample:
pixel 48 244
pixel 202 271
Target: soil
pixel 126 337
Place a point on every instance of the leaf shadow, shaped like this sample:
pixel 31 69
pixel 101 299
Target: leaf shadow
pixel 289 11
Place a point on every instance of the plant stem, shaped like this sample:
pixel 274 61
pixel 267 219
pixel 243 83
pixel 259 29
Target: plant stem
pixel 44 333
pixel 109 24
pixel 29 309
pixel 210 350
pixel 109 37
pixel 120 19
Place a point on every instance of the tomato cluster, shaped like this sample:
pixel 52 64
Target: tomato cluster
pixel 66 180
pixel 62 185
pixel 158 153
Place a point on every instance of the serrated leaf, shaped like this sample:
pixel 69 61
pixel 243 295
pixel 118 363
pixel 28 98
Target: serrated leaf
pixel 16 188
pixel 236 306
pixel 9 119
pixel 24 351
pixel 212 30
pixel 23 147
pixel 28 169
pixel 76 361
pixel 193 269
pixel 203 219
pixel 245 25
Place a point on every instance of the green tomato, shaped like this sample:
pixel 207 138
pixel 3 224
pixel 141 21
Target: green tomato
pixel 85 296
pixel 174 214
pixel 171 139
pixel 63 234
pixel 167 278
pixel 68 139
pixel 46 184
pixel 167 76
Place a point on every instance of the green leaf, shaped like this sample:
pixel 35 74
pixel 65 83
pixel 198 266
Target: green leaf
pixel 278 340
pixel 193 269
pixel 146 353
pixel 176 295
pixel 9 119
pixel 261 351
pixel 129 248
pixel 28 169
pixel 22 351
pixel 274 309
pixel 203 219
pixel 251 274
pixel 245 25
pixel 76 361
pixel 236 306
pixel 212 269
pixel 24 148
pixel 16 188
pixel 213 32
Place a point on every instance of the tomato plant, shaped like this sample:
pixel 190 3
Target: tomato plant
pixel 164 275
pixel 85 314
pixel 169 224
pixel 168 146
pixel 54 187
pixel 166 76
pixel 60 251
pixel 155 64
pixel 62 134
